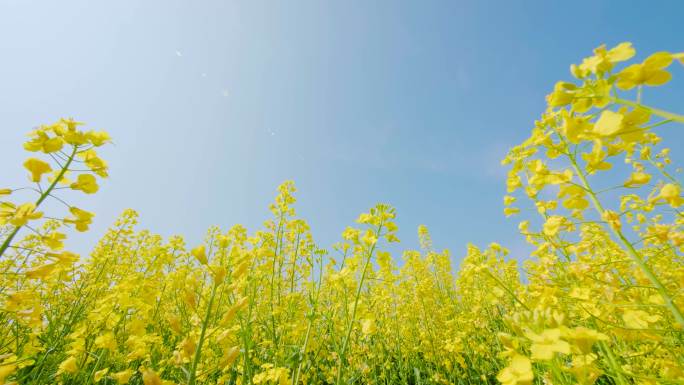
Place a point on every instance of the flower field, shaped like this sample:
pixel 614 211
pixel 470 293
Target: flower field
pixel 599 301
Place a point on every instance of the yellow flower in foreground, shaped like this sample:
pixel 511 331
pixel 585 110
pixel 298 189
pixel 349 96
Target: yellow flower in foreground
pixel 518 372
pixel 651 72
pixel 65 257
pixel 150 377
pixel 41 272
pixel 583 338
pixel 6 370
pixel 230 357
pixel 200 253
pixel 603 59
pixel 68 366
pixel 122 377
pixel 37 168
pixel 609 123
pixel 41 141
pixel 18 216
pixel 368 326
pixel 547 343
pixel 86 183
pixel 54 240
pixel 671 194
pixel 638 319
pixel 106 341
pixel 100 374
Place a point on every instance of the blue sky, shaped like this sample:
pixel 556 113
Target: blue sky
pixel 213 103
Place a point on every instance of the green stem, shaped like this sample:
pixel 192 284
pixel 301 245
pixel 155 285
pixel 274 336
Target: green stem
pixel 312 316
pixel 654 111
pixel 612 363
pixel 40 200
pixel 198 351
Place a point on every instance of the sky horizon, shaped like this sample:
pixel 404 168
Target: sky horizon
pixel 212 104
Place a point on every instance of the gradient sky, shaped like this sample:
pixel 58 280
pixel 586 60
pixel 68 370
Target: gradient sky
pixel 213 103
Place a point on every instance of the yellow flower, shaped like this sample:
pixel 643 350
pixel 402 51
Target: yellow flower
pixel 575 197
pixel 671 193
pixel 638 319
pixel 651 72
pixel 368 326
pixel 6 370
pixel 575 128
pixel 603 60
pixel 100 374
pixel 369 238
pixel 68 366
pixel 106 341
pixel 98 138
pixel 66 257
pixel 72 135
pixel 583 338
pixel 41 141
pixel 218 273
pixel 547 343
pixel 200 253
pixel 37 168
pixel 279 376
pixel 596 159
pixel 150 377
pixel 637 178
pixel 563 93
pixel 518 372
pixel 81 219
pixel 554 224
pixel 86 183
pixel 54 240
pixel 609 123
pixel 612 218
pixel 351 234
pixel 94 162
pixel 230 356
pixel 122 377
pixel 70 123
pixel 5 191
pixel 508 211
pixel 18 216
pixel 41 272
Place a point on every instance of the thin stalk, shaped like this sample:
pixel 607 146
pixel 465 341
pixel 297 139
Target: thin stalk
pixel 40 200
pixel 198 351
pixel 654 111
pixel 314 305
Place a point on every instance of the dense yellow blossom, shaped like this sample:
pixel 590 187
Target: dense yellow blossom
pixel 599 299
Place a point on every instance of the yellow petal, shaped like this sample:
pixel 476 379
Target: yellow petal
pixel 609 123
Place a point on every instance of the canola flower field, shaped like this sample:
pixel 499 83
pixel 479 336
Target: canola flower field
pixel 599 301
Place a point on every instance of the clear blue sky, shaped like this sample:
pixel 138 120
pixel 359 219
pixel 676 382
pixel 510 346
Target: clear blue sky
pixel 213 103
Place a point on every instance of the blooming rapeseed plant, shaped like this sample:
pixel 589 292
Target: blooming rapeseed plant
pixel 599 301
